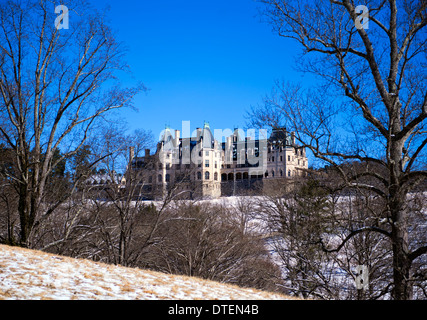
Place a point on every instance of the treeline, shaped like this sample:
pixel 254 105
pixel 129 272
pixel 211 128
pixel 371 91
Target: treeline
pixel 333 242
pixel 306 238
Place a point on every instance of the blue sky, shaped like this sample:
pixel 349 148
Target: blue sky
pixel 201 60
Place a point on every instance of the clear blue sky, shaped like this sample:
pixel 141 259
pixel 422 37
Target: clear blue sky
pixel 202 60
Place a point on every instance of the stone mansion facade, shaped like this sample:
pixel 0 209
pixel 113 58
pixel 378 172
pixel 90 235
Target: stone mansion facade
pixel 202 166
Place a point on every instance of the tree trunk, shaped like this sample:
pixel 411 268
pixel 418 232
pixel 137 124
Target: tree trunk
pixel 401 267
pixel 399 232
pixel 401 261
pixel 24 218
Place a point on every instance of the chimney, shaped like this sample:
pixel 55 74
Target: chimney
pixel 229 150
pixel 177 136
pixel 131 153
pixel 228 143
pixel 293 138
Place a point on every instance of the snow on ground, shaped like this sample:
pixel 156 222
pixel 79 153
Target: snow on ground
pixel 33 275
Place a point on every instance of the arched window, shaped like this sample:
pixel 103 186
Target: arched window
pixel 207 175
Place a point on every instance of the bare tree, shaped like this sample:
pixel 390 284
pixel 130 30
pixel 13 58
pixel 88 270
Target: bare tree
pixel 55 85
pixel 293 220
pixel 370 105
pixel 210 241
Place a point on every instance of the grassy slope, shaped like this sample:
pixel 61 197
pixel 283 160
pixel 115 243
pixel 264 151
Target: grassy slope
pixel 29 274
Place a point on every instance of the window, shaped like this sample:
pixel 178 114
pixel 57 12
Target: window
pixel 159 177
pixel 216 176
pixel 289 173
pixel 272 159
pixel 289 158
pixel 281 158
pixel 207 163
pixel 168 177
pixel 207 175
pixel 207 153
pixel 199 176
pixel 272 173
pixel 216 164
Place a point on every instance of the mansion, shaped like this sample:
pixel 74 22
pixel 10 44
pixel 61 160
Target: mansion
pixel 203 167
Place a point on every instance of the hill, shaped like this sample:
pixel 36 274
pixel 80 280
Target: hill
pixel 33 275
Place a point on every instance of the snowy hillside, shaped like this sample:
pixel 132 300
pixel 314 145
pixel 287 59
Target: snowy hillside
pixel 31 275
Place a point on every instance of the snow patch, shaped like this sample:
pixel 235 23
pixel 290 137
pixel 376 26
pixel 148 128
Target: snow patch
pixel 33 275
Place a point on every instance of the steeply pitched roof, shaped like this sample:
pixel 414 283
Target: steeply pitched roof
pixel 280 135
pixel 207 136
